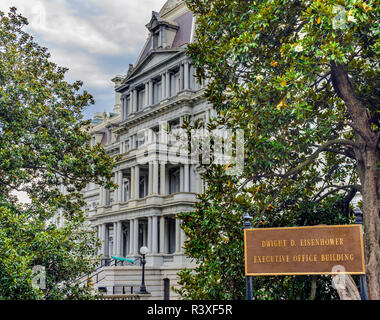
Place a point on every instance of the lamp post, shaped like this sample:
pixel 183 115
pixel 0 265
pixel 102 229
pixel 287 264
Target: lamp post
pixel 143 250
pixel 248 279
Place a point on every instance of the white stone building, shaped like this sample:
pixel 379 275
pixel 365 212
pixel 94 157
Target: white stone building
pixel 156 182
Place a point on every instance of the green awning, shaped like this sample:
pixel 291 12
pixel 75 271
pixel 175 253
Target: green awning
pixel 123 259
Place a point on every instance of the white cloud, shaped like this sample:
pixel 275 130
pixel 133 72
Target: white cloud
pixel 82 67
pixel 124 21
pixel 116 27
pixel 82 34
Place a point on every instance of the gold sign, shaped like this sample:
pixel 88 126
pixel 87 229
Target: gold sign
pixel 304 250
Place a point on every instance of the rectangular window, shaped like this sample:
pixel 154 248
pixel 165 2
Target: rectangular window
pixel 126 146
pixel 126 190
pixel 140 139
pixel 157 88
pixel 192 78
pixel 126 102
pixel 143 188
pixel 107 200
pixel 140 99
pixel 155 40
pixel 174 182
pixel 174 83
pixel 127 105
pixel 143 233
pixel 171 233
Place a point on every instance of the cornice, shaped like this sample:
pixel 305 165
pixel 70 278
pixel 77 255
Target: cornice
pixel 180 100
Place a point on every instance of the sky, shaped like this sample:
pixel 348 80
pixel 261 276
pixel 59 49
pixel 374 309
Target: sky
pixel 95 39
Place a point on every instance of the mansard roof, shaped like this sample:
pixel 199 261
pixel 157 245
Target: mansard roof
pixel 169 6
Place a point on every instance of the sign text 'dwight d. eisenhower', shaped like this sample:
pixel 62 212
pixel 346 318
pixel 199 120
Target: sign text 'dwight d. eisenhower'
pixel 303 250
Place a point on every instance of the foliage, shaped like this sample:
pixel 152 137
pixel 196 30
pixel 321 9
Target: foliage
pixel 44 152
pixel 301 78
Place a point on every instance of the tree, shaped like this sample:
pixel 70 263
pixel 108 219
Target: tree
pixel 44 152
pixel 301 78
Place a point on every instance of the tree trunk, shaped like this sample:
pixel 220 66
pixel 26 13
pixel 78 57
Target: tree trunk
pixel 346 287
pixel 371 216
pixel 367 153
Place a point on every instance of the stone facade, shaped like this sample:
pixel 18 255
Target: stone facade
pixel 156 180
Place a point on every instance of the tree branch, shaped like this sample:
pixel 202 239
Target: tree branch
pixel 346 153
pixel 300 166
pixel 336 188
pixel 316 153
pixel 358 113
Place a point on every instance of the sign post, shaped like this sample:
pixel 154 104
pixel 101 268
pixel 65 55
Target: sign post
pixel 304 250
pixel 363 281
pixel 322 249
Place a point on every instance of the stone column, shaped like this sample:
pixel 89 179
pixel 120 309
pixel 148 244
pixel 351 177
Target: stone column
pixel 132 101
pixel 123 108
pixel 136 100
pixel 154 248
pixel 132 186
pixel 186 85
pixel 183 238
pixel 162 234
pixel 120 183
pixel 163 86
pixel 186 178
pixel 167 84
pixel 116 192
pixel 131 236
pixel 102 236
pixel 136 236
pixel 106 240
pixel 181 179
pixel 150 236
pixel 155 177
pixel 181 72
pixel 181 77
pixel 137 182
pixel 162 178
pixel 115 238
pixel 147 91
pixel 119 238
pixel 150 179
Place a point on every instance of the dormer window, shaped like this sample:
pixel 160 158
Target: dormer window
pixel 156 37
pixel 162 31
